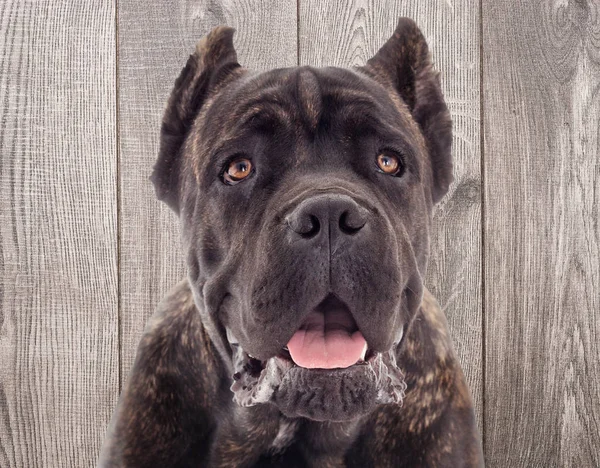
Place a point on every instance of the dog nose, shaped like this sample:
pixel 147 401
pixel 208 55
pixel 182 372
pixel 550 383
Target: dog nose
pixel 338 213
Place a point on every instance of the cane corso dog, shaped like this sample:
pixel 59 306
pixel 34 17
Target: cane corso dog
pixel 303 334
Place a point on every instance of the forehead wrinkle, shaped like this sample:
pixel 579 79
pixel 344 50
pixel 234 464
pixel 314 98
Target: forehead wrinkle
pixel 310 98
pixel 259 114
pixel 267 98
pixel 344 96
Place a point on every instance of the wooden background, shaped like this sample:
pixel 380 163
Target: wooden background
pixel 86 251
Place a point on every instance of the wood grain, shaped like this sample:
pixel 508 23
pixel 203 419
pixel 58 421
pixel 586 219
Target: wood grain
pixel 348 34
pixel 58 259
pixel 542 237
pixel 155 39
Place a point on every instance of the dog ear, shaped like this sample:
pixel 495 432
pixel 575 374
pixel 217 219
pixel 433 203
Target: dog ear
pixel 207 69
pixel 405 63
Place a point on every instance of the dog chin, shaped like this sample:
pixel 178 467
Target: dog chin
pixel 339 394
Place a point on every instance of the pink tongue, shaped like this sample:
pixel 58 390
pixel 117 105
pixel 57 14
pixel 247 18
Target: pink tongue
pixel 324 341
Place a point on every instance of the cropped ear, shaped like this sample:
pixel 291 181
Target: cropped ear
pixel 207 68
pixel 405 63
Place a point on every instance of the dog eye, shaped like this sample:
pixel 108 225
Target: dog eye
pixel 389 163
pixel 237 171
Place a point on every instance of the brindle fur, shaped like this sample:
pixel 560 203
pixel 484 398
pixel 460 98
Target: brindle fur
pixel 176 409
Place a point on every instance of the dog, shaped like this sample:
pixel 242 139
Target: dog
pixel 303 334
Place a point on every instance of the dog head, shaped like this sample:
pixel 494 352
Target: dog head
pixel 305 198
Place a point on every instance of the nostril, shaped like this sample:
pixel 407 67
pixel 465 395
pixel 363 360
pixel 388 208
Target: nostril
pixel 351 225
pixel 315 227
pixel 307 225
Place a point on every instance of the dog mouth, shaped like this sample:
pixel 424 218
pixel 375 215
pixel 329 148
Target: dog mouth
pixel 325 372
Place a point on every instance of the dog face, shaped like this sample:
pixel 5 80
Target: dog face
pixel 305 199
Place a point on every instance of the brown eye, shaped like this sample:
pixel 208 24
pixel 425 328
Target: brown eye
pixel 389 163
pixel 237 171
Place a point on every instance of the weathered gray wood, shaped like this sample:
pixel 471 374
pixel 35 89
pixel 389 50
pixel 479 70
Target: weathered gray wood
pixel 58 258
pixel 155 39
pixel 348 34
pixel 542 237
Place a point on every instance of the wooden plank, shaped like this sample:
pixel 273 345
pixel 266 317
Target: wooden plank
pixel 58 234
pixel 348 34
pixel 542 237
pixel 155 39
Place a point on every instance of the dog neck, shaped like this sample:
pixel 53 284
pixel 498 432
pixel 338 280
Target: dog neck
pixel 262 431
pixel 249 433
